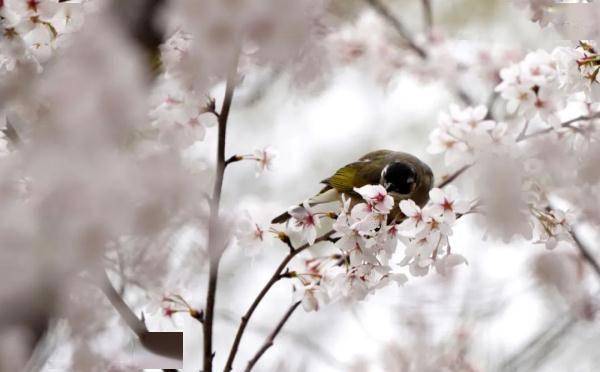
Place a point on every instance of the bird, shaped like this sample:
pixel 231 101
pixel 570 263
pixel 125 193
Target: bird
pixel 403 175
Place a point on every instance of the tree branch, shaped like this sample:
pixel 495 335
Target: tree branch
pixel 427 14
pixel 398 26
pixel 449 179
pixel 585 253
pixel 214 251
pixel 133 322
pixel 274 279
pixel 566 124
pixel 269 341
pixel 395 22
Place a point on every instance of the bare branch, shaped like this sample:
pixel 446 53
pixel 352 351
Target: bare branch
pixel 585 253
pixel 215 252
pixel 274 279
pixel 398 26
pixel 269 341
pixel 566 124
pixel 449 179
pixel 133 322
pixel 427 14
pixel 407 36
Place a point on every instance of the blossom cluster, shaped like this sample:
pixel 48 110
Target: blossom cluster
pixel 366 237
pixel 179 112
pixel 368 43
pixel 542 84
pixel 546 94
pixel 32 30
pixel 463 133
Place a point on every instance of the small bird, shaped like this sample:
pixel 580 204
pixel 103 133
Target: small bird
pixel 403 175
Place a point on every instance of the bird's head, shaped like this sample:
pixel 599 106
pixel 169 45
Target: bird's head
pixel 408 179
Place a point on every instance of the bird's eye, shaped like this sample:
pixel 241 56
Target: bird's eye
pixel 399 177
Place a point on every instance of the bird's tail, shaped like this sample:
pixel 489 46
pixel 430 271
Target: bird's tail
pixel 326 195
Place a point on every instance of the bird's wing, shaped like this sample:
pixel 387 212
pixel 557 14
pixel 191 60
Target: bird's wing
pixel 354 175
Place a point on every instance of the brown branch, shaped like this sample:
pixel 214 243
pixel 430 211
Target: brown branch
pixel 277 275
pixel 566 124
pixel 269 341
pixel 449 179
pixel 585 253
pixel 398 26
pixel 11 133
pixel 427 14
pixel 133 322
pixel 233 159
pixel 214 251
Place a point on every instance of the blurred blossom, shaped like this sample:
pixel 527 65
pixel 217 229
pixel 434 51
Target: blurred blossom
pixel 265 158
pixel 86 186
pixel 564 272
pixel 312 296
pixel 103 167
pixel 272 32
pixel 33 30
pixel 250 235
pixel 464 133
pixel 500 187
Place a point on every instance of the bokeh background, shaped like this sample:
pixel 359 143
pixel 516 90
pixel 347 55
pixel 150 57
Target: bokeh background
pixel 501 312
pixel 494 314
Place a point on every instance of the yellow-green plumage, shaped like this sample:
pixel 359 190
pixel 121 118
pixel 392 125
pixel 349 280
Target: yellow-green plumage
pixel 368 171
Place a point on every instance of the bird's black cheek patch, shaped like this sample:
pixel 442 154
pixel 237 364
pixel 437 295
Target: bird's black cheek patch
pixel 401 176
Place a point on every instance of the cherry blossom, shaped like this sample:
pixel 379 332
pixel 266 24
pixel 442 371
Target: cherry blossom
pixel 377 197
pixel 446 202
pixel 425 232
pixel 250 235
pixel 33 30
pixel 531 87
pixel 461 133
pixel 313 297
pixel 264 159
pixel 416 217
pixel 305 220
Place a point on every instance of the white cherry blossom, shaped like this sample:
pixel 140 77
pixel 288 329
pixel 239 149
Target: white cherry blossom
pixel 305 220
pixel 313 296
pixel 446 203
pixel 264 159
pixel 377 197
pixel 250 235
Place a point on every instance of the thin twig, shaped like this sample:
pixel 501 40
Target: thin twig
pixel 566 124
pixel 523 131
pixel 269 341
pixel 214 251
pixel 585 253
pixel 398 26
pixel 427 14
pixel 395 22
pixel 233 159
pixel 490 105
pixel 133 322
pixel 449 179
pixel 11 133
pixel 537 342
pixel 274 279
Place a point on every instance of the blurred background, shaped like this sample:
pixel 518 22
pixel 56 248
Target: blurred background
pixel 499 313
pixel 510 309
